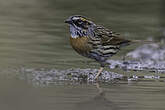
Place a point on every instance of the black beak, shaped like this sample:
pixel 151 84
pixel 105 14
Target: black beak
pixel 68 21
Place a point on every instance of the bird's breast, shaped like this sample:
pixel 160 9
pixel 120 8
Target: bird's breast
pixel 80 45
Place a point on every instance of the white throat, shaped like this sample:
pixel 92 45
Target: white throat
pixel 74 36
pixel 73 32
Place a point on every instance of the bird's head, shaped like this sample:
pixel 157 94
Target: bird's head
pixel 79 22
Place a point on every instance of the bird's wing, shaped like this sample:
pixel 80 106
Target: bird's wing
pixel 105 42
pixel 108 37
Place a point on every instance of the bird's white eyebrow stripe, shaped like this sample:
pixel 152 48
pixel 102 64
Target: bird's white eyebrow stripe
pixel 75 18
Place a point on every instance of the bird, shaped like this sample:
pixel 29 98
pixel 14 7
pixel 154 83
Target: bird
pixel 94 41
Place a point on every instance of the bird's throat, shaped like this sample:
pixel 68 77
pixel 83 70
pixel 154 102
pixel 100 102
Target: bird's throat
pixel 77 32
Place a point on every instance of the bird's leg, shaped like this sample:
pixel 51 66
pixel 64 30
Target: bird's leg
pixel 100 70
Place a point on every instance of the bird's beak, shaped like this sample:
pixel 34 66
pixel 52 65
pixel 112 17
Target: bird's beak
pixel 68 21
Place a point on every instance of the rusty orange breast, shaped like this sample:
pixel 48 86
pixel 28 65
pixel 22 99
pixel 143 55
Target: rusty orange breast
pixel 80 45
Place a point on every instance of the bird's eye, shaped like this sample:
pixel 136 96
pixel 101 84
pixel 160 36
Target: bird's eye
pixel 79 21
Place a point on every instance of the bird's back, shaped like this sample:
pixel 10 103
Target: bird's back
pixel 105 43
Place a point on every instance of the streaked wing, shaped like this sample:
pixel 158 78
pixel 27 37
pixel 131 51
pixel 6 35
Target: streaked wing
pixel 105 42
pixel 108 37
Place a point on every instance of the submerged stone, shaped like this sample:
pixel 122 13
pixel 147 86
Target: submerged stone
pixel 75 75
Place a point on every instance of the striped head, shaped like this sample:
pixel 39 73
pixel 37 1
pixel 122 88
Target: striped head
pixel 79 26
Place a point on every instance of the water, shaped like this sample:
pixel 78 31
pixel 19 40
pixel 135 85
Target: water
pixel 143 95
pixel 33 35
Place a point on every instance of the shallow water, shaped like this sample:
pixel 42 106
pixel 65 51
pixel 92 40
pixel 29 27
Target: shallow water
pixel 143 95
pixel 33 35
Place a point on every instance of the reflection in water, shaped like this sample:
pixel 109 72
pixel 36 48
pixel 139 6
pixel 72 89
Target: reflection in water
pixel 99 102
pixel 19 95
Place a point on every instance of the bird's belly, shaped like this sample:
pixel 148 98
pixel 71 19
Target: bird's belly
pixel 80 45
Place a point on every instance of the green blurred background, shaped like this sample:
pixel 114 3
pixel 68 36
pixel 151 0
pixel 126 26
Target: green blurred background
pixel 33 33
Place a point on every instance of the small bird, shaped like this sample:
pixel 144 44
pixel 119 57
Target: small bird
pixel 94 41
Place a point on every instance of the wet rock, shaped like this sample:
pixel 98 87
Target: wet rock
pixel 43 77
pixel 75 75
pixel 158 67
pixel 150 57
pixel 150 53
